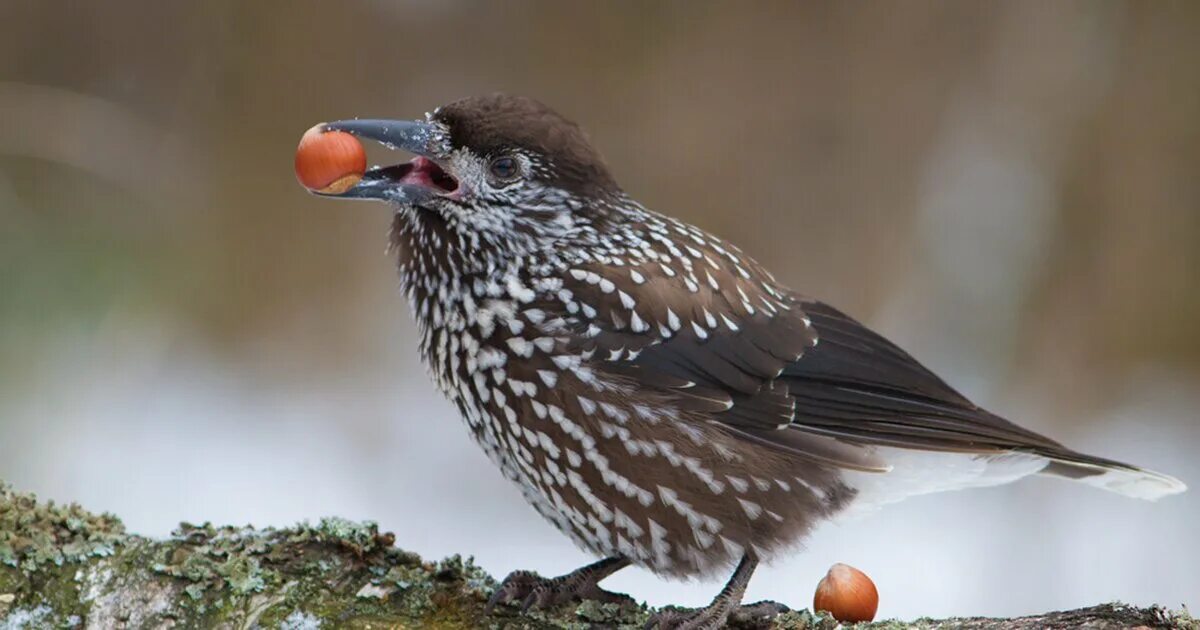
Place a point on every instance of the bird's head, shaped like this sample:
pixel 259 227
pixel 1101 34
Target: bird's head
pixel 498 170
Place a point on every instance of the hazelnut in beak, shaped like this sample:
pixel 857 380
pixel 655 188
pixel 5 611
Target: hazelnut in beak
pixel 329 162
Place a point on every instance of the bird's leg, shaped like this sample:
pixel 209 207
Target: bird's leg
pixel 724 607
pixel 531 589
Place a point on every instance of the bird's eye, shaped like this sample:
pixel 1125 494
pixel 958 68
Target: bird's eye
pixel 505 168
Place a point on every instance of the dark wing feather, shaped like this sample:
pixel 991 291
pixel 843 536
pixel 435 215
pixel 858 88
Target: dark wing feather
pixel 857 385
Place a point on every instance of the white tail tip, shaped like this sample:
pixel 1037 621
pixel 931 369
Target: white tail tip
pixel 1133 482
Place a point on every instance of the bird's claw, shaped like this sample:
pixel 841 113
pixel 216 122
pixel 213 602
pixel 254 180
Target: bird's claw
pixel 716 615
pixel 535 591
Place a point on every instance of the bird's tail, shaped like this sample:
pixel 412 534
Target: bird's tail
pixel 1113 476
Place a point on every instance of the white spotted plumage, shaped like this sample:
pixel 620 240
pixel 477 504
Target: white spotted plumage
pixel 499 330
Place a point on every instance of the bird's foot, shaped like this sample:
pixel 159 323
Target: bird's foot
pixel 532 590
pixel 718 614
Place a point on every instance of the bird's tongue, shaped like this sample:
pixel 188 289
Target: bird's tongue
pixel 422 172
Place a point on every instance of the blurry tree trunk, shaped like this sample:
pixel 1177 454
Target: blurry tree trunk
pixel 61 566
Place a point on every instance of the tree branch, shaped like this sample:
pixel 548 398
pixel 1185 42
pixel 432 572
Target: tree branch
pixel 61 566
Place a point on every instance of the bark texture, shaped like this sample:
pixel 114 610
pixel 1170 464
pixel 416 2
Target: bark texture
pixel 64 567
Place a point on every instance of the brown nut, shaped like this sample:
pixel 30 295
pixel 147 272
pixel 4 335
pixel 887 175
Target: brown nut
pixel 847 594
pixel 329 161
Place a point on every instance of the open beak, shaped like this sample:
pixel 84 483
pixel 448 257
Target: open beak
pixel 414 182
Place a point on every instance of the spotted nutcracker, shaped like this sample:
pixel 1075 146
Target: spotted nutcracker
pixel 655 392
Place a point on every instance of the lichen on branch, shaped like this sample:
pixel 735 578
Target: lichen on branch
pixel 64 567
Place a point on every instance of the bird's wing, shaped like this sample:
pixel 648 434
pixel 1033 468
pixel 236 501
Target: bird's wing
pixel 711 336
pixel 775 368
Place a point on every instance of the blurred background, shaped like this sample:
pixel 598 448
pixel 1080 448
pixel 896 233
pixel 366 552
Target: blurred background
pixel 1011 191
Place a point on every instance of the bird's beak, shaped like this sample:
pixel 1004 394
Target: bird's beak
pixel 414 182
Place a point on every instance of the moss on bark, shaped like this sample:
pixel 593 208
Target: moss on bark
pixel 64 567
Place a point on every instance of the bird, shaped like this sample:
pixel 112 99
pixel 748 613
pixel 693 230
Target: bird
pixel 654 392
